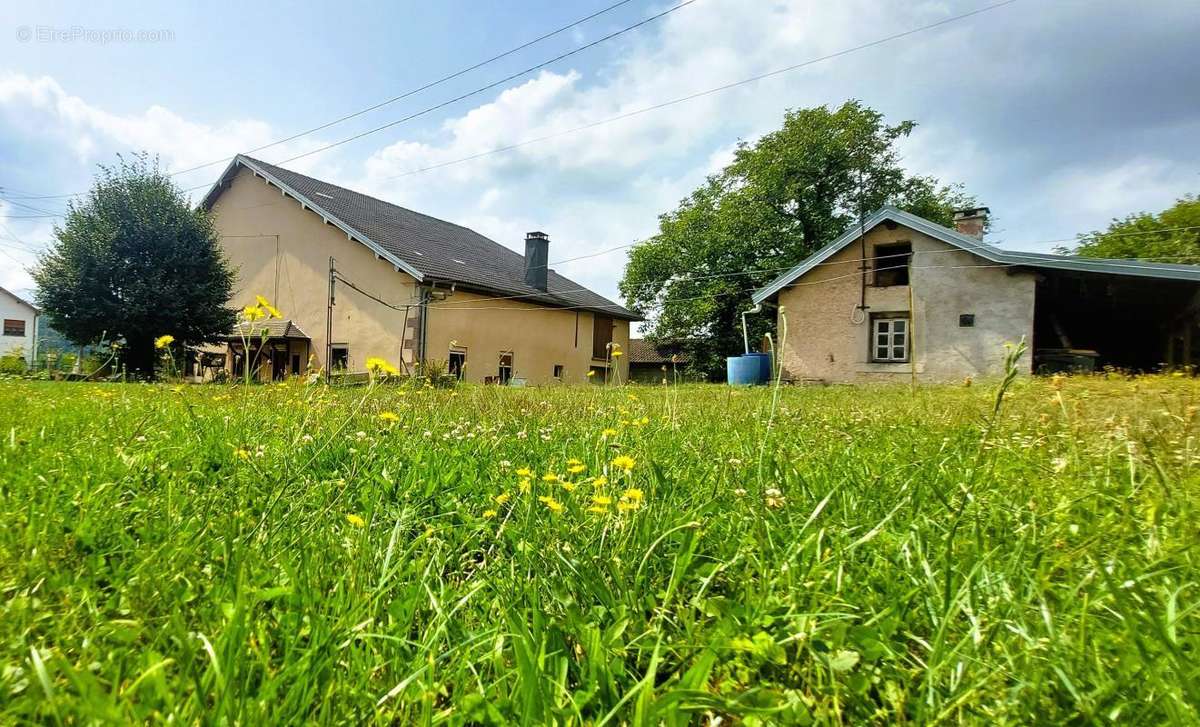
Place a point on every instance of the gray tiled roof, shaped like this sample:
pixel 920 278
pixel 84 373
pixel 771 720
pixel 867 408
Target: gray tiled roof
pixel 273 327
pixel 439 250
pixel 642 351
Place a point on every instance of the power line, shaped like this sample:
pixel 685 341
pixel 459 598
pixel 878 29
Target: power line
pixel 424 87
pixel 1030 259
pixel 25 206
pixel 619 117
pixel 492 85
pixel 341 279
pixel 708 92
pixel 443 104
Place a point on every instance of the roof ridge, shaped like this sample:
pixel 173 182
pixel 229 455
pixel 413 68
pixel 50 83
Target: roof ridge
pixel 393 232
pixel 368 196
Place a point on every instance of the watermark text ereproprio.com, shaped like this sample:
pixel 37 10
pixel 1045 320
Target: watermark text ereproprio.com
pixel 98 36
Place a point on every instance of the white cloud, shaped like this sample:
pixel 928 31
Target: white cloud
pixel 1054 116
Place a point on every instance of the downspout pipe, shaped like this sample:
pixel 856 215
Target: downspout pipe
pixel 745 333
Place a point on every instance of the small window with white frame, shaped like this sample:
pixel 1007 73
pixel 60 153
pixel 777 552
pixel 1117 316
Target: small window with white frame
pixel 890 337
pixel 506 368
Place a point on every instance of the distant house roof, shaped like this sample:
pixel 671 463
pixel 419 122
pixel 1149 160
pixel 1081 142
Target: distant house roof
pixel 642 351
pixel 425 247
pixel 21 300
pixel 273 328
pixel 988 252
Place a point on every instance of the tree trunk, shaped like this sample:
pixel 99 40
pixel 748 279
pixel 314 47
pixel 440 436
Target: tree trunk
pixel 139 358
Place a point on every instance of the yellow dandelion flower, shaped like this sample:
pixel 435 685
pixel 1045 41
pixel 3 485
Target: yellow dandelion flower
pixel 261 301
pixel 632 495
pixel 576 468
pixel 389 416
pixel 569 486
pixel 623 462
pixel 241 453
pixel 355 520
pixel 602 500
pixel 598 509
pixel 600 481
pixel 252 313
pixel 525 472
pixel 626 506
pixel 502 498
pixel 609 432
pixel 644 421
pixel 632 397
pixel 591 373
pixel 524 485
pixel 573 460
pixel 489 514
pixel 164 341
pixel 551 503
pixel 549 477
pixel 618 354
pixel 380 367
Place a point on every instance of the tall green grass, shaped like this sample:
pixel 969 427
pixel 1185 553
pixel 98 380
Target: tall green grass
pixel 285 554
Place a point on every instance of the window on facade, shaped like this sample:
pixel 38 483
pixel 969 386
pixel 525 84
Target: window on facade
pixel 558 371
pixel 14 327
pixel 889 337
pixel 966 320
pixel 506 367
pixel 891 263
pixel 602 331
pixel 339 359
pixel 295 364
pixel 598 374
pixel 456 364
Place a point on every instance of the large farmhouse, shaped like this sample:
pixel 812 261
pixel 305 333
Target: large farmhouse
pixel 406 287
pixel 900 297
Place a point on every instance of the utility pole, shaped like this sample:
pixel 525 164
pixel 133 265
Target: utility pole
pixel 329 323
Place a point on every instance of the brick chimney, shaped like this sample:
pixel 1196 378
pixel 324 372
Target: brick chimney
pixel 537 259
pixel 971 221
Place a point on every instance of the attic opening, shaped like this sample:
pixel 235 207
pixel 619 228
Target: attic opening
pixel 890 263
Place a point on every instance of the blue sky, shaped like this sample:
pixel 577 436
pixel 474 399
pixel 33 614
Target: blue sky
pixel 1058 116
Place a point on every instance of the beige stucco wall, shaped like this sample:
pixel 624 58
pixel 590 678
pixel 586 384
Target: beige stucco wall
pixel 292 271
pixel 823 342
pixel 538 337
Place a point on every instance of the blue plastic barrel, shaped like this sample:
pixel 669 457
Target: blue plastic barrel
pixel 748 370
pixel 765 363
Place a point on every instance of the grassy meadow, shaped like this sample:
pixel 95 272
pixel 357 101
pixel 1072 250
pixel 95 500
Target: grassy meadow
pixel 637 555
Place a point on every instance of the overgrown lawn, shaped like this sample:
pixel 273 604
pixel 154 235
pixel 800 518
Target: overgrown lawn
pixel 285 554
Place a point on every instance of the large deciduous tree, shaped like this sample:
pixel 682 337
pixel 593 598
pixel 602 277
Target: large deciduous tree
pixel 134 260
pixel 1172 235
pixel 781 198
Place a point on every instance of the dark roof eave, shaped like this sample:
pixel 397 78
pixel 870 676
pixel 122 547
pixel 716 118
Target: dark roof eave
pixel 547 299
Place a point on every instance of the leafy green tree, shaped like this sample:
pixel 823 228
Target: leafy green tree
pixel 134 260
pixel 782 198
pixel 1172 235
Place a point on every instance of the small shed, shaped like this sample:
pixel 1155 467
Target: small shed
pixel 651 362
pixel 275 349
